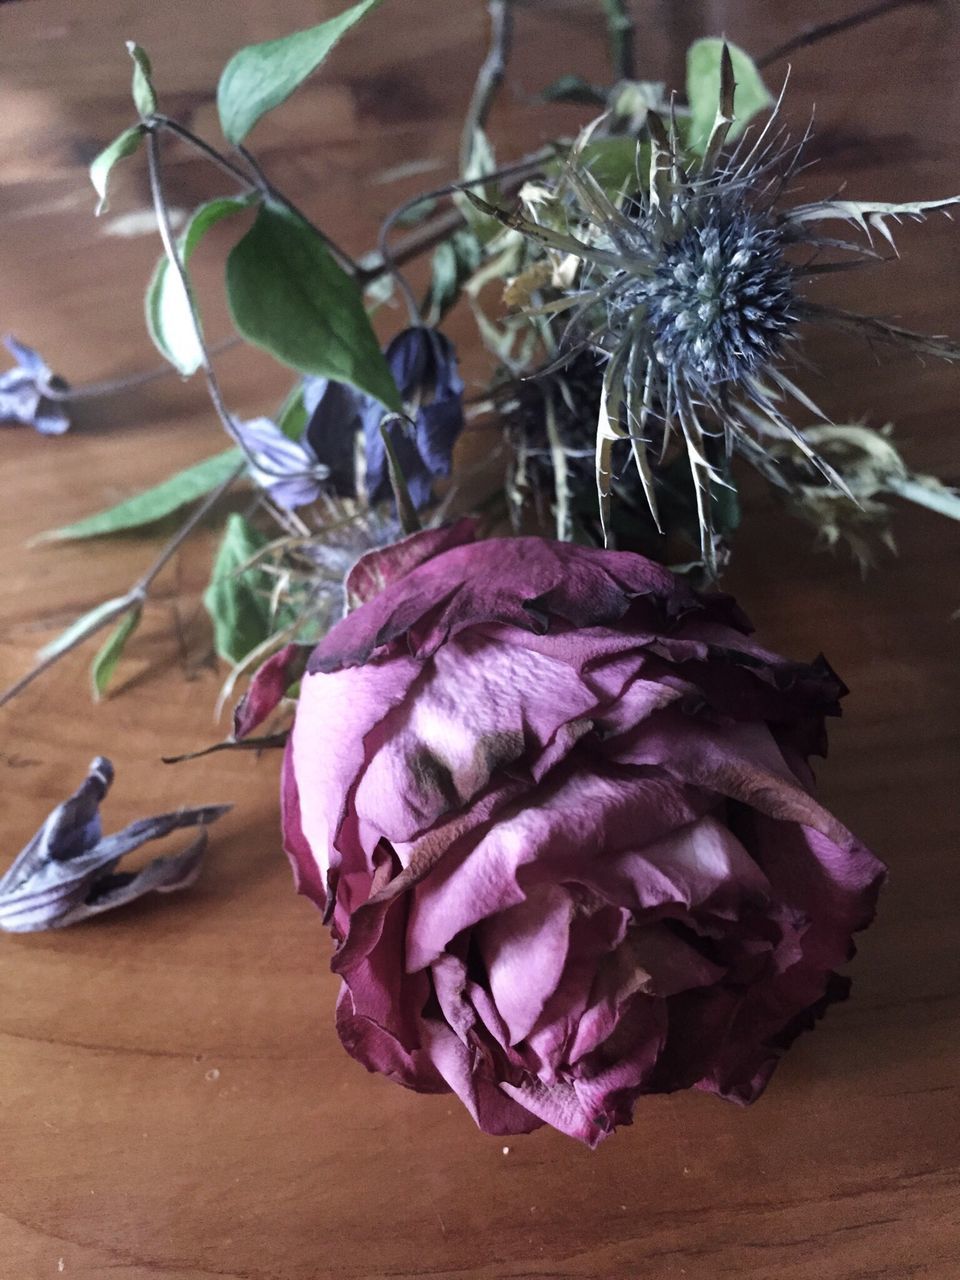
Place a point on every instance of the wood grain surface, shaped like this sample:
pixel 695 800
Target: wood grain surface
pixel 174 1102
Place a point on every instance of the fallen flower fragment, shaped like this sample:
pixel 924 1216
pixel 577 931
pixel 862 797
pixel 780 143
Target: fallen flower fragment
pixel 67 872
pixel 25 392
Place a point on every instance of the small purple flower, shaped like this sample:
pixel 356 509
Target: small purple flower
pixel 289 472
pixel 334 421
pixel 67 871
pixel 424 365
pixel 24 392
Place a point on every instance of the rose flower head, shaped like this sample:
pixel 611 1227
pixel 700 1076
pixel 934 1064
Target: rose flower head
pixel 557 810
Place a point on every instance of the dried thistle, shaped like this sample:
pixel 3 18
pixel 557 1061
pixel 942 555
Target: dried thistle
pixel 688 289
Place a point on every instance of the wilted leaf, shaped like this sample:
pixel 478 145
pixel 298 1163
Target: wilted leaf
pixel 85 625
pixel 144 96
pixel 105 663
pixel 703 90
pixel 169 317
pixel 454 261
pixel 288 295
pixel 153 504
pixel 260 77
pixel 125 145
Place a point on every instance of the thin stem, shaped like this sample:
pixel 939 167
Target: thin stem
pixel 620 35
pixel 489 78
pixel 812 35
pixel 176 261
pixel 220 160
pixel 264 185
pixel 441 228
pixel 113 386
pixel 136 595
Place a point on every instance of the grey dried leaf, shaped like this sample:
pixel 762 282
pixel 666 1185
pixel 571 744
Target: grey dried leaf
pixel 67 872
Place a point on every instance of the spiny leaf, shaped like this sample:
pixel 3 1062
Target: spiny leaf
pixel 704 63
pixel 121 147
pixel 289 296
pixel 153 504
pixel 262 76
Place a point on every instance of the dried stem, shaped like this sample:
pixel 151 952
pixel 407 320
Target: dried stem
pixel 489 77
pixel 620 34
pixel 137 594
pixel 268 189
pixel 823 31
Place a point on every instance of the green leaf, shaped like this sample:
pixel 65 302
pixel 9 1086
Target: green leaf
pixel 168 312
pixel 105 663
pixel 84 626
pixel 153 504
pixel 260 77
pixel 144 96
pixel 617 164
pixel 125 145
pixel 703 90
pixel 292 418
pixel 238 599
pixel 289 296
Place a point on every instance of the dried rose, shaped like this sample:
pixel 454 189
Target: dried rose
pixel 67 872
pixel 557 808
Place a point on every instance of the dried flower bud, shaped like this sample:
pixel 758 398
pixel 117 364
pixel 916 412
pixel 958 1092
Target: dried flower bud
pixel 424 365
pixel 24 392
pixel 67 871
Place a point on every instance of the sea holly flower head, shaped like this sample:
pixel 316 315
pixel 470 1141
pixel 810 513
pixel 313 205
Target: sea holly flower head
pixel 688 289
pixel 67 872
pixel 25 392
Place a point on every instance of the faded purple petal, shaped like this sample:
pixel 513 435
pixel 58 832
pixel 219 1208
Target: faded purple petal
pixel 424 365
pixel 288 472
pixel 556 806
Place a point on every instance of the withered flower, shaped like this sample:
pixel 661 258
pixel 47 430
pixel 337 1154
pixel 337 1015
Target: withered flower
pixel 67 872
pixel 688 289
pixel 25 392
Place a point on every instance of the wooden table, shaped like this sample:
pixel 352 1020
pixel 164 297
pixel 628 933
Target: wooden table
pixel 173 1098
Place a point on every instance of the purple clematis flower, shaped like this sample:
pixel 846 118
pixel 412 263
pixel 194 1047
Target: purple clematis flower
pixel 24 391
pixel 334 420
pixel 67 872
pixel 289 472
pixel 424 365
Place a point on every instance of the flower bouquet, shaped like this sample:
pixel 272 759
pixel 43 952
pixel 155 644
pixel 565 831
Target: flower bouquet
pixel 552 799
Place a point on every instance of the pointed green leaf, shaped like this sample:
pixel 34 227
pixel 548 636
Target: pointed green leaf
pixel 144 96
pixel 125 145
pixel 105 663
pixel 238 602
pixel 167 306
pixel 289 296
pixel 703 90
pixel 260 77
pixel 84 626
pixel 153 504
